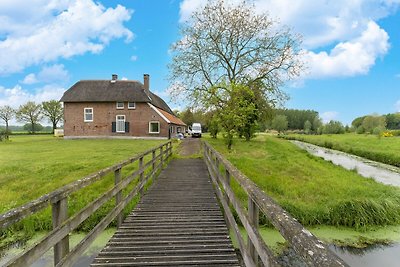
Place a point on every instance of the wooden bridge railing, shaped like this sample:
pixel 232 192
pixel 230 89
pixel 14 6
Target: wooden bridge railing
pixel 313 251
pixel 62 225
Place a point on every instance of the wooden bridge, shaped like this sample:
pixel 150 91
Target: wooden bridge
pixel 178 221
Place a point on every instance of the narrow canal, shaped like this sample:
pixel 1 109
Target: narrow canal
pixel 374 255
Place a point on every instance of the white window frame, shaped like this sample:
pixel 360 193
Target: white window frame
pixel 118 107
pixel 117 124
pixel 132 107
pixel 86 113
pixel 150 122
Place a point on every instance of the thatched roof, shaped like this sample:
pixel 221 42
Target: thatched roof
pixel 116 91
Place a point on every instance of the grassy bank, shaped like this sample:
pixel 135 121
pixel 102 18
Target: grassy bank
pixel 384 149
pixel 31 166
pixel 312 190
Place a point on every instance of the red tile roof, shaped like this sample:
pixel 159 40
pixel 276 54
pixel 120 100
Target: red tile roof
pixel 171 118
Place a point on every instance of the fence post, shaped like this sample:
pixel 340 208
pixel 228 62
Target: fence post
pixel 118 196
pixel 141 175
pixel 153 166
pixel 60 215
pixel 228 183
pixel 253 216
pixel 161 157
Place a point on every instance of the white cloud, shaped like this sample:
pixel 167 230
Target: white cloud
pixel 134 58
pixel 30 79
pixel 17 96
pixel 124 79
pixel 347 25
pixel 397 106
pixel 49 30
pixel 328 116
pixel 350 58
pixel 53 73
pixel 48 74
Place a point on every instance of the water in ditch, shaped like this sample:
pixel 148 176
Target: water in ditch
pixel 380 172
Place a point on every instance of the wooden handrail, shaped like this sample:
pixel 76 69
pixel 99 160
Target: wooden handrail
pixel 313 251
pixel 62 225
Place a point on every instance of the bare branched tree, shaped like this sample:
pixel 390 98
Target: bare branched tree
pixel 30 113
pixel 233 43
pixel 53 110
pixel 6 114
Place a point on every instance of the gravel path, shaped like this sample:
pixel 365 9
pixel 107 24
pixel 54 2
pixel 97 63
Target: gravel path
pixel 189 147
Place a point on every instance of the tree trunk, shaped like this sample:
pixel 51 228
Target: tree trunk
pixel 54 126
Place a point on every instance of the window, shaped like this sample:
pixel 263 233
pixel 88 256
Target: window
pixel 120 105
pixel 154 127
pixel 88 115
pixel 131 105
pixel 178 129
pixel 120 124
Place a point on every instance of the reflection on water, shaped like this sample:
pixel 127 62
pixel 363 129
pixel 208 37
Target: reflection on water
pixel 372 256
pixel 47 259
pixel 382 173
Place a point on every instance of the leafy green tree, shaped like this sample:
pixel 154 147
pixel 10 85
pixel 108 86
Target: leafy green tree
pixel 333 127
pixel 233 114
pixel 371 122
pixel 280 123
pixel 37 127
pixel 357 122
pixel 225 44
pixel 213 126
pixel 316 124
pixel 187 117
pixel 393 121
pixel 296 118
pixel 30 113
pixel 53 110
pixel 307 127
pixel 6 114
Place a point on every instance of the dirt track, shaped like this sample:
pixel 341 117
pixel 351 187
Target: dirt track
pixel 189 147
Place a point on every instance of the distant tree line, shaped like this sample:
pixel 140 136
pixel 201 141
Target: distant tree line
pixel 376 124
pixel 31 114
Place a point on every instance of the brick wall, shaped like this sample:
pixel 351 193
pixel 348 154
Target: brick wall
pixel 104 114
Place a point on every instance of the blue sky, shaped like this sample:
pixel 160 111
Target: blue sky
pixel 351 49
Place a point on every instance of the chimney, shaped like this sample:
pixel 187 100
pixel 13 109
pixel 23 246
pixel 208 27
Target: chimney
pixel 114 78
pixel 146 83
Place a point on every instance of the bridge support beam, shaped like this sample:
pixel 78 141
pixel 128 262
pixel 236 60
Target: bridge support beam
pixel 253 216
pixel 118 196
pixel 59 216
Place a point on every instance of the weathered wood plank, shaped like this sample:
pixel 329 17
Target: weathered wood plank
pixel 177 223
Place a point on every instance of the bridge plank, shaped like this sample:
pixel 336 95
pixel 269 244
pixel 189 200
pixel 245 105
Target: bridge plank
pixel 177 223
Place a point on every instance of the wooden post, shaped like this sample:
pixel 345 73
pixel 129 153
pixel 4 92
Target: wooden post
pixel 118 196
pixel 59 216
pixel 153 166
pixel 253 216
pixel 141 175
pixel 228 182
pixel 161 157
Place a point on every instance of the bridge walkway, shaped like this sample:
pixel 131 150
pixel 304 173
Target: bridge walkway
pixel 177 223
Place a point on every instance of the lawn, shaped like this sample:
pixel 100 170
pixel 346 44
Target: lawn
pixel 31 166
pixel 314 191
pixel 382 149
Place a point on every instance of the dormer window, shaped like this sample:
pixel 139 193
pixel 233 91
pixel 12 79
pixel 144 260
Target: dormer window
pixel 131 105
pixel 120 105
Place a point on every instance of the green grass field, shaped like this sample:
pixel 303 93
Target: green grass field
pixel 383 149
pixel 314 191
pixel 31 166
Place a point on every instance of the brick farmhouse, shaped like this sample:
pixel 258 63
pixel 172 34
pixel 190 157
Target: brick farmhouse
pixel 117 108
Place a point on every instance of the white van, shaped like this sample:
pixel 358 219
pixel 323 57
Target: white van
pixel 196 129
